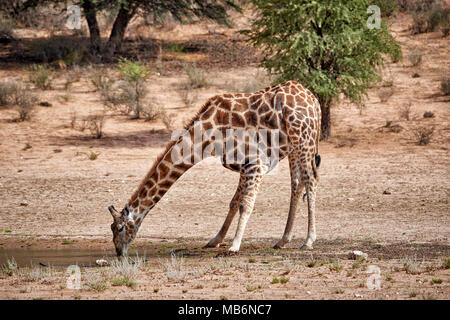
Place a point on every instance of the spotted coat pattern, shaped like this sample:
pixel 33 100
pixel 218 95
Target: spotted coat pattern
pixel 288 107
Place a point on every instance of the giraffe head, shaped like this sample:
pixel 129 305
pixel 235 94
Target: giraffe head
pixel 123 228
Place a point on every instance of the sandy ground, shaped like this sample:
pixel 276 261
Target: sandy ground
pixel 379 192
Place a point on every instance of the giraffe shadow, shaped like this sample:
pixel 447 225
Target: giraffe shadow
pixel 324 249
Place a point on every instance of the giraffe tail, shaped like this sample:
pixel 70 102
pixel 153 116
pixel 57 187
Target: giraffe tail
pixel 315 165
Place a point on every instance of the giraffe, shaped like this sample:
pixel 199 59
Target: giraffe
pixel 289 109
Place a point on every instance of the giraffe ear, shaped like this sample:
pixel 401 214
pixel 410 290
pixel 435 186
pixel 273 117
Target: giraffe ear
pixel 113 212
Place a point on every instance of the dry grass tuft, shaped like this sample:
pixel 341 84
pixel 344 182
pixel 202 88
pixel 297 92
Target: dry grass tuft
pixel 174 268
pixel 196 78
pixel 405 112
pixel 415 57
pixel 423 135
pixel 385 93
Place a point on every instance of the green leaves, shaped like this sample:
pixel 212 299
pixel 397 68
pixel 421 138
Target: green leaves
pixel 132 71
pixel 325 44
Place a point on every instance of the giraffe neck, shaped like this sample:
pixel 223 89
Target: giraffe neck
pixel 167 169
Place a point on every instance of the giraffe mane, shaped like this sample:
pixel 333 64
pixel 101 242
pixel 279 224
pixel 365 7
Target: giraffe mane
pixel 167 148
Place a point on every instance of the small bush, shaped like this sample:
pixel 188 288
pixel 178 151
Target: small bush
pixel 95 282
pixel 284 280
pixel 445 86
pixel 412 293
pixel 387 7
pixel 385 93
pixel 9 268
pixel 335 266
pixel 67 50
pixel 415 57
pixel 423 135
pixel 405 112
pixel 15 94
pixel 101 80
pixel 446 263
pixel 123 281
pixel 25 104
pixel 167 119
pixel 196 77
pixel 132 71
pixel 6 30
pixel 428 16
pixel 133 89
pixel 95 123
pixel 93 155
pixel 9 90
pixel 40 76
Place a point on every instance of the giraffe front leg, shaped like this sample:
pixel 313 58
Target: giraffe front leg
pixel 217 240
pixel 234 206
pixel 245 212
pixel 253 181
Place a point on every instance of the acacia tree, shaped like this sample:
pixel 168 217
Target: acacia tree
pixel 181 10
pixel 326 45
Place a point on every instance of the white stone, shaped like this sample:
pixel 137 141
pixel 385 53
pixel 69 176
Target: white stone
pixel 356 254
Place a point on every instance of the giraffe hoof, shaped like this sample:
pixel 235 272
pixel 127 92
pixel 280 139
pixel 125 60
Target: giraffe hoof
pixel 278 246
pixel 232 250
pixel 213 243
pixel 306 247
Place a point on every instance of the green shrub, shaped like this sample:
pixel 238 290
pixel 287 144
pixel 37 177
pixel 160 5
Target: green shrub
pixel 40 76
pixel 325 45
pixel 387 7
pixel 134 90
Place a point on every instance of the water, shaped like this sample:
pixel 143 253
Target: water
pixel 60 257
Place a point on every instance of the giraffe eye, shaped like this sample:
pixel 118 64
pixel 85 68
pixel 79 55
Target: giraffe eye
pixel 121 228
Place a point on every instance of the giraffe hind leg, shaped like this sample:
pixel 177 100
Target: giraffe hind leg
pixel 297 186
pixel 311 186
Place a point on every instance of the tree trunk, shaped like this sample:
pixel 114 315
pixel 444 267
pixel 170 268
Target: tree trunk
pixel 325 106
pixel 90 14
pixel 118 31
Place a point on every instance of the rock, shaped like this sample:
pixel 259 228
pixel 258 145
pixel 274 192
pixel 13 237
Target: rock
pixel 101 262
pixel 24 203
pixel 357 295
pixel 387 192
pixel 45 104
pixel 355 255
